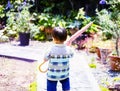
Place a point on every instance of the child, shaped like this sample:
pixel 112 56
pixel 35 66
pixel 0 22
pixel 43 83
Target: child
pixel 58 56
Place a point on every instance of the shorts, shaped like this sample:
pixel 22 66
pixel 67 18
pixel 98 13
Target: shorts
pixel 52 85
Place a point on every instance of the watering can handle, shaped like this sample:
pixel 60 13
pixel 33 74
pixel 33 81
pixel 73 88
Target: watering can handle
pixel 43 71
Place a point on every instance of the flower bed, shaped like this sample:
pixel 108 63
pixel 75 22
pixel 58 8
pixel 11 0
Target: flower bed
pixel 105 77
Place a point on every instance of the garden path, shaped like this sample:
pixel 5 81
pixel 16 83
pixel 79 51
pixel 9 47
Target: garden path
pixel 80 75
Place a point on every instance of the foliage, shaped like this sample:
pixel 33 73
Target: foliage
pixel 34 30
pixel 109 83
pixel 39 36
pixel 115 4
pixel 81 14
pixel 2 14
pixel 110 22
pixel 59 20
pixel 3 37
pixel 83 20
pixel 11 26
pixel 106 35
pixel 92 63
pixel 20 22
pixel 23 20
pixel 33 86
pixel 45 20
pixel 74 24
pixel 50 20
pixel 78 21
pixel 104 88
pixel 94 28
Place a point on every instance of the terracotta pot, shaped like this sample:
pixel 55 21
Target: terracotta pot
pixel 112 89
pixel 103 54
pixel 73 30
pixel 116 87
pixel 98 52
pixel 114 63
pixel 48 30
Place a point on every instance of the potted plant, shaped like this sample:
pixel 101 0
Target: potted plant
pixel 45 20
pixel 48 21
pixel 111 84
pixel 19 23
pixel 73 26
pixel 110 22
pixel 23 26
pixel 46 24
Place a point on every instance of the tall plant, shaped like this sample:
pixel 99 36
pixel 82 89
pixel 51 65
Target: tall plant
pixel 110 22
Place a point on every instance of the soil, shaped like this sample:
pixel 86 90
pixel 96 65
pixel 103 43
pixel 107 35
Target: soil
pixel 16 75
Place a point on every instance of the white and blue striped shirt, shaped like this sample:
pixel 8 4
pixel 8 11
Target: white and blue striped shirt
pixel 58 56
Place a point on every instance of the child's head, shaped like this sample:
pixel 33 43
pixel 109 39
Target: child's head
pixel 59 34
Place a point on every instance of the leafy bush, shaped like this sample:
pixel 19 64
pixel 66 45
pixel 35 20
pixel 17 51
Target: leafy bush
pixel 2 14
pixel 110 22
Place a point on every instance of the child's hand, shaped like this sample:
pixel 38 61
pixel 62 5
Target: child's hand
pixel 68 43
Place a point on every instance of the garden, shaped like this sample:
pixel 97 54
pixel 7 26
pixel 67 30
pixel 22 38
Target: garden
pixel 23 21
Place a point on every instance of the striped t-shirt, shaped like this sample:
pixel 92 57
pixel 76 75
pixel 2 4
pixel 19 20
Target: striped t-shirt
pixel 58 56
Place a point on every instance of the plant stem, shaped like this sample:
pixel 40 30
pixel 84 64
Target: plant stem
pixel 116 47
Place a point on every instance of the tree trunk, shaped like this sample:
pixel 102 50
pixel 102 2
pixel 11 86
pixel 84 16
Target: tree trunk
pixel 116 47
pixel 37 5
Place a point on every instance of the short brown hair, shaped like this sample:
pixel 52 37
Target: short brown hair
pixel 59 33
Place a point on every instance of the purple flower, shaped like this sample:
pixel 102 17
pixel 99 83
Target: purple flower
pixel 24 3
pixel 9 5
pixel 102 2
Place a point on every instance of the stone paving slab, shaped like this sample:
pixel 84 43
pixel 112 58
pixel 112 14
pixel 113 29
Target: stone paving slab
pixel 81 77
pixel 30 52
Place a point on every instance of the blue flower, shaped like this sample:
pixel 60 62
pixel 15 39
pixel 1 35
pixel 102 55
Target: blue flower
pixel 9 5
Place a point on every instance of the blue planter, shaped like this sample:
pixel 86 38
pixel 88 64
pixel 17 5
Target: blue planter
pixel 24 39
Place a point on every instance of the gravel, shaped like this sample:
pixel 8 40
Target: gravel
pixel 103 74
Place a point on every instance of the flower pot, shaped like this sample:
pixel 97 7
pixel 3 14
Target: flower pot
pixel 49 37
pixel 24 39
pixel 73 30
pixel 115 87
pixel 112 89
pixel 103 54
pixel 98 52
pixel 114 63
pixel 48 30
